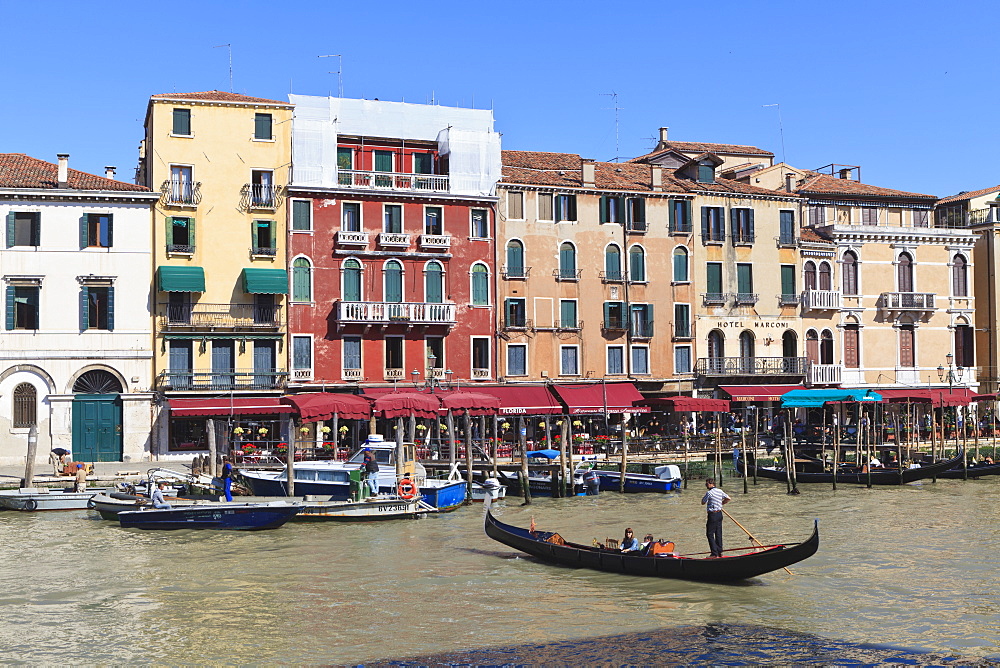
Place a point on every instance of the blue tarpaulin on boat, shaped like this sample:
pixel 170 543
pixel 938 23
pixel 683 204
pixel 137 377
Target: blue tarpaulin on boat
pixel 816 398
pixel 550 454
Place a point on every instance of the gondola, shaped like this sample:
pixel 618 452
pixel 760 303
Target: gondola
pixel 852 475
pixel 738 564
pixel 976 471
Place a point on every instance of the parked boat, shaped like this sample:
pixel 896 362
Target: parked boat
pixel 666 478
pixel 854 475
pixel 540 482
pixel 369 510
pixel 109 504
pixel 975 471
pixel 43 498
pixel 218 515
pixel 738 564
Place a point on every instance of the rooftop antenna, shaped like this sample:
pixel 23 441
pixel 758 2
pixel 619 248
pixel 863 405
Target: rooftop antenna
pixel 781 129
pixel 614 98
pixel 339 72
pixel 230 47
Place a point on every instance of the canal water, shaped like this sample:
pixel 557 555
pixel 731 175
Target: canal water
pixel 912 567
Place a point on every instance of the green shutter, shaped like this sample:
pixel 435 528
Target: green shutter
pixel 567 313
pixel 170 231
pixel 672 210
pixel 111 231
pixel 744 278
pixel 190 226
pixel 11 219
pixel 734 224
pixel 111 308
pixel 604 209
pixel 300 214
pixel 750 230
pixel 607 314
pixel 639 210
pixel 84 219
pixel 714 278
pixel 272 233
pixel 787 279
pixel 704 222
pixel 571 205
pixel 383 161
pixel 84 308
pixel 10 307
pixel 686 209
pixel 253 234
pixel 649 319
pixel 262 126
pixel 36 237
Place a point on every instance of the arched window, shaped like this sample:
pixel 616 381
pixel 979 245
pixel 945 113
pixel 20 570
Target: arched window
pixel 812 346
pixel 612 263
pixel 959 277
pixel 825 278
pixel 637 264
pixel 826 348
pixel 680 264
pixel 567 261
pixel 746 352
pixel 716 351
pixel 352 281
pixel 789 344
pixel 97 381
pixel 515 259
pixel 904 271
pixel 301 280
pixel 809 275
pixel 25 406
pixel 434 283
pixel 850 273
pixel 480 285
pixel 393 281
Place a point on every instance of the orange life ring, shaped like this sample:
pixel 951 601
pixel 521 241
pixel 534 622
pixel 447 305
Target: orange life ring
pixel 406 489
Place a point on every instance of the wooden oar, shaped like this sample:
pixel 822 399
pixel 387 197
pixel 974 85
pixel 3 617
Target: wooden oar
pixel 748 533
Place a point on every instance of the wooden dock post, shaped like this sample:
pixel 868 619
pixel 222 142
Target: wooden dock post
pixel 468 457
pixel 29 462
pixel 522 440
pixel 213 450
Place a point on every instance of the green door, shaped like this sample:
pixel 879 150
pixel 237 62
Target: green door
pixel 97 428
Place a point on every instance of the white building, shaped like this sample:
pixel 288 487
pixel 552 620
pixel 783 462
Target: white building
pixel 76 341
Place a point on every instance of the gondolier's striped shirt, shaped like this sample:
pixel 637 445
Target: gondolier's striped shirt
pixel 713 498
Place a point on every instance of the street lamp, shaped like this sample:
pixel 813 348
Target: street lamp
pixel 953 374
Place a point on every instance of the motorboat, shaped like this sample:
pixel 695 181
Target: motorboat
pixel 44 498
pixel 666 478
pixel 229 515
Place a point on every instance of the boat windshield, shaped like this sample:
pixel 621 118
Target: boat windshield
pixel 382 456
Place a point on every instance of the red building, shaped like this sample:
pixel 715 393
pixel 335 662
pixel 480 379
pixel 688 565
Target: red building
pixel 392 249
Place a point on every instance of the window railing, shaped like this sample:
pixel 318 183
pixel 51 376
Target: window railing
pixel 567 274
pixel 510 273
pixel 219 316
pixel 302 374
pixel 787 240
pixel 746 298
pixel 571 324
pixel 824 374
pixel 186 249
pixel 913 301
pixel 516 323
pixel 352 374
pixel 788 299
pixel 265 251
pixel 682 330
pixel 260 196
pixel 743 238
pixel 820 300
pixel 365 180
pixel 393 239
pixel 238 379
pixel 750 366
pixel 393 374
pixel 642 329
pixel 392 312
pixel 352 238
pixel 435 240
pixel 636 226
pixel 612 276
pixel 714 298
pixel 480 374
pixel 713 237
pixel 613 325
pixel 180 192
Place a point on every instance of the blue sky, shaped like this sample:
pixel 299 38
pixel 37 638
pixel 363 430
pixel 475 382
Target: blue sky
pixel 906 90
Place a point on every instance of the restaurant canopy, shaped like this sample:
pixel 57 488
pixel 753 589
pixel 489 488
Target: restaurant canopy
pixel 678 404
pixel 598 398
pixel 816 398
pixel 523 399
pixel 227 406
pixel 758 392
pixel 940 397
pixel 984 397
pixel 316 406
pixel 959 396
pixel 906 395
pixel 475 403
pixel 405 404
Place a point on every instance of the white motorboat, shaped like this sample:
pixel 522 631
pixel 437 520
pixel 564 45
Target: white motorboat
pixel 44 498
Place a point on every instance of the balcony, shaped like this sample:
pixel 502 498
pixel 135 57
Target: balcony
pixel 386 313
pixel 363 180
pixel 572 325
pixel 480 374
pixel 611 276
pixel 642 329
pixel 788 300
pixel 821 300
pixel 393 374
pixel 613 325
pixel 352 238
pixel 215 317
pixel 906 301
pixel 824 374
pixel 713 237
pixel 260 196
pixel 746 298
pixel 180 249
pixel 302 374
pixel 263 251
pixel 787 240
pixel 751 366
pixel 636 227
pixel 682 331
pixel 238 379
pixel 567 274
pixel 715 298
pixel 743 239
pixel 179 192
pixel 515 273
pixel 435 241
pixel 352 374
pixel 394 239
pixel 516 324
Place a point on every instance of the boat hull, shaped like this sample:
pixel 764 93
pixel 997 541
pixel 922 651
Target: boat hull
pixel 444 495
pixel 725 569
pixel 637 483
pixel 230 516
pixel 30 499
pixel 876 477
pixel 370 510
pixel 978 471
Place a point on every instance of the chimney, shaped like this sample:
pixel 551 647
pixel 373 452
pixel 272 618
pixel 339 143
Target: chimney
pixel 589 170
pixel 663 138
pixel 789 182
pixel 845 173
pixel 63 177
pixel 657 177
pixel 109 172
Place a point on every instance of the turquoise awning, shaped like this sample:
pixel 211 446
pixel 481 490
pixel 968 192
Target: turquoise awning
pixel 816 398
pixel 265 281
pixel 180 279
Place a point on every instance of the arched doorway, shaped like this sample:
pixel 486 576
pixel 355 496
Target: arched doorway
pixel 97 417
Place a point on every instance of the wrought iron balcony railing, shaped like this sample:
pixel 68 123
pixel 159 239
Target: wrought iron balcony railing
pixel 179 192
pixel 642 329
pixel 571 324
pixel 264 251
pixel 636 226
pixel 611 276
pixel 750 366
pixel 516 323
pixel 514 273
pixel 364 180
pixel 613 325
pixel 715 298
pixel 567 274
pixel 260 196
pixel 746 298
pixel 417 313
pixel 788 299
pixel 743 238
pixel 219 316
pixel 186 249
pixel 233 379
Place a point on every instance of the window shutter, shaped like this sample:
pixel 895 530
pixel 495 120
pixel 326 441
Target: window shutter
pixel 271 234
pixel 170 231
pixel 649 319
pixel 253 234
pixel 787 279
pixel 36 238
pixel 639 210
pixel 604 210
pixel 714 282
pixel 750 223
pixel 111 308
pixel 10 307
pixel 734 224
pixel 673 215
pixel 84 219
pixel 571 215
pixel 704 222
pixel 111 231
pixel 11 218
pixel 607 313
pixel 84 308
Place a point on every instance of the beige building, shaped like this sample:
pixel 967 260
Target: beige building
pixel 220 162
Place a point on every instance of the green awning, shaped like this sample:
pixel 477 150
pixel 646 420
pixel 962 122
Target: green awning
pixel 265 281
pixel 181 279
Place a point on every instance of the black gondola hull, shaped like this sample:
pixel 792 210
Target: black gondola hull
pixel 877 476
pixel 726 569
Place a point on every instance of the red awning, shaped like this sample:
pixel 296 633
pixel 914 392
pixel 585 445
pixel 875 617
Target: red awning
pixel 523 399
pixel 315 406
pixel 758 392
pixel 476 403
pixel 984 397
pixel 405 404
pixel 597 398
pixel 678 404
pixel 228 406
pixel 905 395
pixel 956 397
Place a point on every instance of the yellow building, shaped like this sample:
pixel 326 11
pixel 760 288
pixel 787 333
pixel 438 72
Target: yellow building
pixel 220 162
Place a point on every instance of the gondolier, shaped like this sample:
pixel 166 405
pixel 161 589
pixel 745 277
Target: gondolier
pixel 714 499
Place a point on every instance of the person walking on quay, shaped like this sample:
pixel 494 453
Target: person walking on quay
pixel 157 498
pixel 714 498
pixel 81 478
pixel 371 471
pixel 227 478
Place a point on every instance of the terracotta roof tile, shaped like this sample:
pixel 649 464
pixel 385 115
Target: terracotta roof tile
pixel 823 184
pixel 217 96
pixel 21 171
pixel 723 186
pixel 968 195
pixel 704 147
pixel 810 235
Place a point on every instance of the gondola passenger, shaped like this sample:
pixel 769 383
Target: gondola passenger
pixel 629 543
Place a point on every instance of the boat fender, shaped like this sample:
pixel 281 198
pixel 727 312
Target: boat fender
pixel 91 503
pixel 406 489
pixel 31 504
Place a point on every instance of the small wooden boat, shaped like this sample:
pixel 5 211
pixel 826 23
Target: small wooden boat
pixel 738 564
pixel 665 479
pixel 877 476
pixel 975 471
pixel 43 498
pixel 219 515
pixel 372 509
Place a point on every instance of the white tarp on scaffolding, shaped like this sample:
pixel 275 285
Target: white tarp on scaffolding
pixel 466 136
